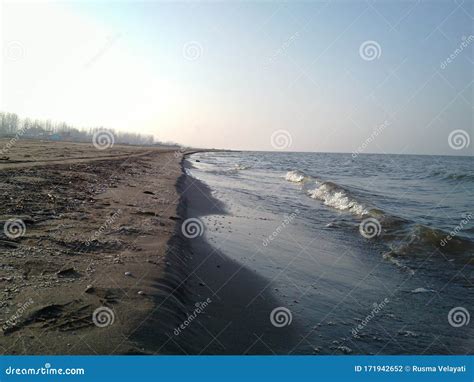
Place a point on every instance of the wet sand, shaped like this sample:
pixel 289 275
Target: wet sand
pixel 94 232
pixel 227 306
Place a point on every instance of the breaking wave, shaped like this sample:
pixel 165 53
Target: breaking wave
pixel 333 195
pixel 295 176
pixel 402 237
pixel 417 238
pixel 241 167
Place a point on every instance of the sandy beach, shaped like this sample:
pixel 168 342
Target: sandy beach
pixel 85 243
pixel 96 259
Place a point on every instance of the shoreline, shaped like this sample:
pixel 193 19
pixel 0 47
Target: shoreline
pixel 236 318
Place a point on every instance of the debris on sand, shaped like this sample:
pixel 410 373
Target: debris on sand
pixel 76 248
pixel 68 273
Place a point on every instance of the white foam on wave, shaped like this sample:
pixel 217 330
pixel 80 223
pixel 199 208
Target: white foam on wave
pixel 422 290
pixel 241 167
pixel 338 198
pixel 295 176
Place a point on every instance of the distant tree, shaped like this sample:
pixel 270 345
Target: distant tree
pixel 10 124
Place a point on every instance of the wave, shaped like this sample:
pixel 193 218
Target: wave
pixel 331 194
pixel 241 167
pixel 296 176
pixel 337 197
pixel 402 238
pixel 450 176
pixel 422 239
pixel 418 244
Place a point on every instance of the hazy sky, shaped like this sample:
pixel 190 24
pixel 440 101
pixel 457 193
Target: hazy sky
pixel 232 74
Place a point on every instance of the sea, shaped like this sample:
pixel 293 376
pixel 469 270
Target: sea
pixel 365 253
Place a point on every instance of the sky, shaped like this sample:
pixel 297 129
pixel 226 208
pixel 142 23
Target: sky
pixel 334 76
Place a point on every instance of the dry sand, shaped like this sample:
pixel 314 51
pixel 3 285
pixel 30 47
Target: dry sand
pixel 97 226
